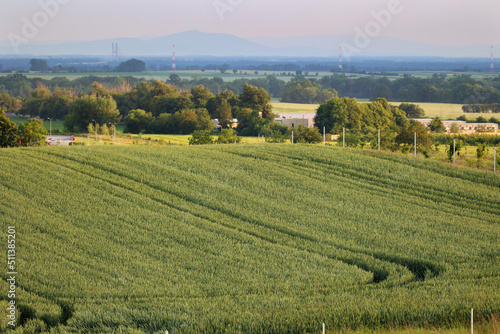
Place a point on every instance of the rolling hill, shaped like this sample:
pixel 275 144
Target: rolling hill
pixel 196 43
pixel 247 238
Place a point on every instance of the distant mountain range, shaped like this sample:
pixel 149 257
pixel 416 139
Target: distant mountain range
pixel 196 43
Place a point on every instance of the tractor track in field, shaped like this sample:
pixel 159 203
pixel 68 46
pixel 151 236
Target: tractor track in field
pixel 417 267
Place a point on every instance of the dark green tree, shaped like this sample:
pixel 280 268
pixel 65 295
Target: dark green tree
pixel 449 149
pixel 412 110
pixel 8 131
pixel 256 99
pixel 174 79
pixel 201 137
pixel 351 140
pixel 224 114
pixel 227 136
pixel 138 121
pixel 57 105
pixel 481 151
pixel 382 91
pixel 194 119
pixel 223 68
pixel 406 137
pixel 307 135
pixel 32 133
pixel 132 65
pixel 249 122
pixel 332 115
pixel 9 104
pixel 200 96
pixel 39 65
pixel 87 109
pixel 437 125
pixel 276 133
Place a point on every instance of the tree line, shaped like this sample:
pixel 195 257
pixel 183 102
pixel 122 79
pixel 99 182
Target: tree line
pixel 31 133
pixel 461 89
pixel 131 65
pixel 482 108
pixel 164 108
pixel 150 107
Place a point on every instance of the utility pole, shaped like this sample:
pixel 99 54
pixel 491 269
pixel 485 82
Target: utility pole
pixel 495 160
pixel 341 68
pixel 471 321
pixel 343 138
pixel 415 145
pixel 379 139
pixel 492 65
pixel 454 151
pixel 174 66
pixel 95 129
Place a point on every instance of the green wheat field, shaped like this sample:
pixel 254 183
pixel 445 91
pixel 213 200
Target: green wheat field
pixel 247 238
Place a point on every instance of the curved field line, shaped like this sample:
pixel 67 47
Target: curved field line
pixel 379 273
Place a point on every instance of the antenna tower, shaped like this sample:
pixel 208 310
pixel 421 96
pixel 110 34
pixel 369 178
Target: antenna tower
pixel 114 52
pixel 492 66
pixel 174 67
pixel 340 60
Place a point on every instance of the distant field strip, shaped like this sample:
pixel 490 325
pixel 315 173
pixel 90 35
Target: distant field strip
pixel 441 110
pixel 248 238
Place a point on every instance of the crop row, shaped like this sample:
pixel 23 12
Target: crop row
pixel 248 238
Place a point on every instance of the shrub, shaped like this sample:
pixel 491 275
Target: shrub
pixel 201 137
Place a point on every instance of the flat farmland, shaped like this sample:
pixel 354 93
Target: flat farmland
pixel 229 76
pixel 294 108
pixel 248 238
pixel 447 110
pixel 442 110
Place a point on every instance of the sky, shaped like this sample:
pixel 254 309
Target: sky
pixel 452 22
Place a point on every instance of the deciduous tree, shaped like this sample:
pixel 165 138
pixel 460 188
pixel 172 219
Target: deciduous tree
pixel 137 121
pixel 86 109
pixel 437 125
pixel 201 137
pixel 8 131
pixel 32 133
pixel 307 135
pixel 132 65
pixel 227 136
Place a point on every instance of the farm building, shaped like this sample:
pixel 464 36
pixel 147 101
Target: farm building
pixel 293 121
pixel 218 126
pixel 60 140
pixel 463 126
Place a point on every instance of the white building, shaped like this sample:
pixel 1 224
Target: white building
pixel 463 126
pixel 60 140
pixel 294 120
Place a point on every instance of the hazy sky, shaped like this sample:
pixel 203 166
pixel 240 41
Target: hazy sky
pixel 455 22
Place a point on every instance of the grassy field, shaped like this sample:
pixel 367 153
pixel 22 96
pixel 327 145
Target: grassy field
pixel 147 139
pixel 56 125
pixel 125 139
pixel 164 75
pixel 230 76
pixel 447 111
pixel 248 238
pixel 442 110
pixel 294 108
